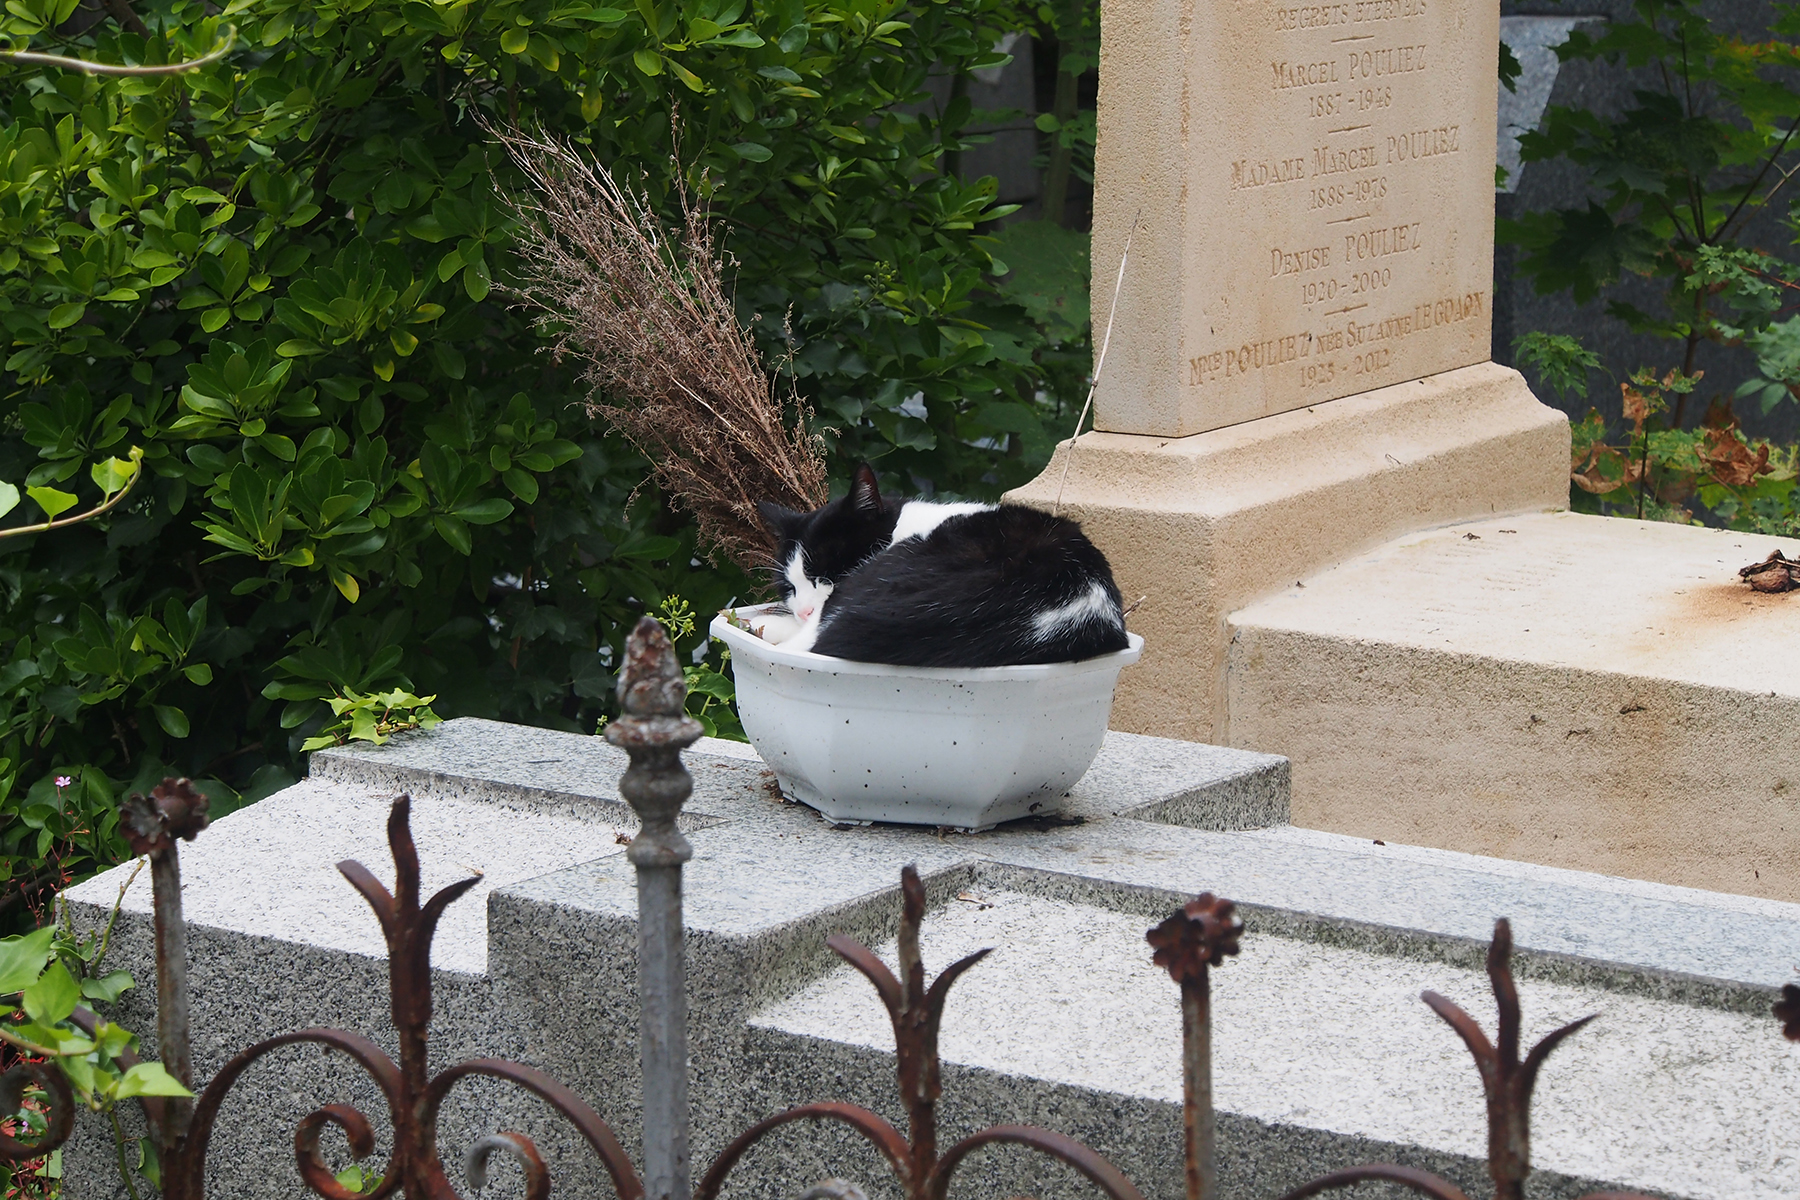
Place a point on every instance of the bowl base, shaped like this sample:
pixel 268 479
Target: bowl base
pixel 966 818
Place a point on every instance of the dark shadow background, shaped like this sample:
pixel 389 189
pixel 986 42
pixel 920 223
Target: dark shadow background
pixel 1519 308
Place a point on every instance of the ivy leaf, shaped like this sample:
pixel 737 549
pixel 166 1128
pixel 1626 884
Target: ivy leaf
pixel 149 1079
pixel 113 474
pixel 51 501
pixel 109 987
pixel 22 959
pixel 53 997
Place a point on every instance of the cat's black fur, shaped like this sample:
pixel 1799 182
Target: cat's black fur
pixel 836 538
pixel 968 594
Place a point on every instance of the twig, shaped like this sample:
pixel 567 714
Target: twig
pixel 1099 364
pixel 110 502
pixel 113 918
pixel 119 1145
pixel 33 58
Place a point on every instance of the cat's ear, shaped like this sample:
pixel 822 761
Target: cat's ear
pixel 778 519
pixel 864 493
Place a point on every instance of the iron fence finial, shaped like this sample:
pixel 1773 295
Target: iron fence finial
pixel 1188 944
pixel 653 729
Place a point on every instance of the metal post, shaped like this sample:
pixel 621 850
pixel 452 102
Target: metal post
pixel 152 825
pixel 653 730
pixel 1196 1090
pixel 1193 940
pixel 173 1033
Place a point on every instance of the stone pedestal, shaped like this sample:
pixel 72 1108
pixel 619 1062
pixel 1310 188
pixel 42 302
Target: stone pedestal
pixel 1205 524
pixel 1571 690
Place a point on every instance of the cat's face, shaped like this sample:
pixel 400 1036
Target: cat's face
pixel 814 550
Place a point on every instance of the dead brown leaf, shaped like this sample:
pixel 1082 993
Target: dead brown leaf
pixel 1729 459
pixel 1776 573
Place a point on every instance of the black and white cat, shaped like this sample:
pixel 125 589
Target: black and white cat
pixel 916 583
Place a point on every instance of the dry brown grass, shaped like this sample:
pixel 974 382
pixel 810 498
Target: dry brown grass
pixel 646 313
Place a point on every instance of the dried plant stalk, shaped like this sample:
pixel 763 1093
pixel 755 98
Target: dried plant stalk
pixel 670 367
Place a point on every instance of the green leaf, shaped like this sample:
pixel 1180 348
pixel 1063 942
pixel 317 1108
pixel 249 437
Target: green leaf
pixel 9 498
pixel 653 546
pixel 198 673
pixel 65 315
pixel 475 282
pixel 149 1079
pixel 648 61
pixel 113 474
pixel 53 502
pixel 53 997
pixel 691 81
pixel 454 532
pixel 522 484
pixel 753 152
pixel 172 719
pixel 744 38
pixel 108 988
pixel 486 512
pixel 22 959
pixel 514 40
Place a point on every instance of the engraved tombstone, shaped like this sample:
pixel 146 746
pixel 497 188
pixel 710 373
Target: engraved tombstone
pixel 1315 185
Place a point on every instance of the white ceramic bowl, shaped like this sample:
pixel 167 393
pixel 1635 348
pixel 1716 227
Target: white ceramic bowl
pixel 966 747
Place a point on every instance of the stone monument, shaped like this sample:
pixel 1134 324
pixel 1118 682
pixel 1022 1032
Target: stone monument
pixel 1343 516
pixel 1299 362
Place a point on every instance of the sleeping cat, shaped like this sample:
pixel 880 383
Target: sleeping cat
pixel 915 583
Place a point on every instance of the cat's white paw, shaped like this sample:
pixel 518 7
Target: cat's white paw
pixel 805 635
pixel 775 627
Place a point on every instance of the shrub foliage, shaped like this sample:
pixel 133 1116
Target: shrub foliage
pixel 277 276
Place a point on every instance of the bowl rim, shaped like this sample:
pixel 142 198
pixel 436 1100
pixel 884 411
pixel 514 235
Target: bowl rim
pixel 743 642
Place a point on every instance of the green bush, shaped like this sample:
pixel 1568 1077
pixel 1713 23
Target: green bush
pixel 1707 143
pixel 276 275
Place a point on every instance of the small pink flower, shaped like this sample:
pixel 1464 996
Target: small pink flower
pixel 63 781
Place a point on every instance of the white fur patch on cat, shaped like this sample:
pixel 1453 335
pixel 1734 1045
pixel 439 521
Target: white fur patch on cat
pixel 920 517
pixel 809 594
pixel 1094 604
pixel 807 606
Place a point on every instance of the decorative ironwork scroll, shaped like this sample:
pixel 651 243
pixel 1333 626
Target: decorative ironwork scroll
pixel 916 1011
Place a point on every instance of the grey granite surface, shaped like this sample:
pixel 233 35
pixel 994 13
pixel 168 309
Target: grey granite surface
pixel 540 964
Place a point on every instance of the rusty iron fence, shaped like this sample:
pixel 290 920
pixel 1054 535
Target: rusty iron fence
pixel 653 732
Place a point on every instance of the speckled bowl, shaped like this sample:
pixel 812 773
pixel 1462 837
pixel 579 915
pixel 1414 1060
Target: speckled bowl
pixel 963 747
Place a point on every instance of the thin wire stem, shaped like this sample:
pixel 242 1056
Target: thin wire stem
pixel 1099 364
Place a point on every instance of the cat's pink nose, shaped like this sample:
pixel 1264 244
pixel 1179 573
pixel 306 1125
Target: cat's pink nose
pixel 804 614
